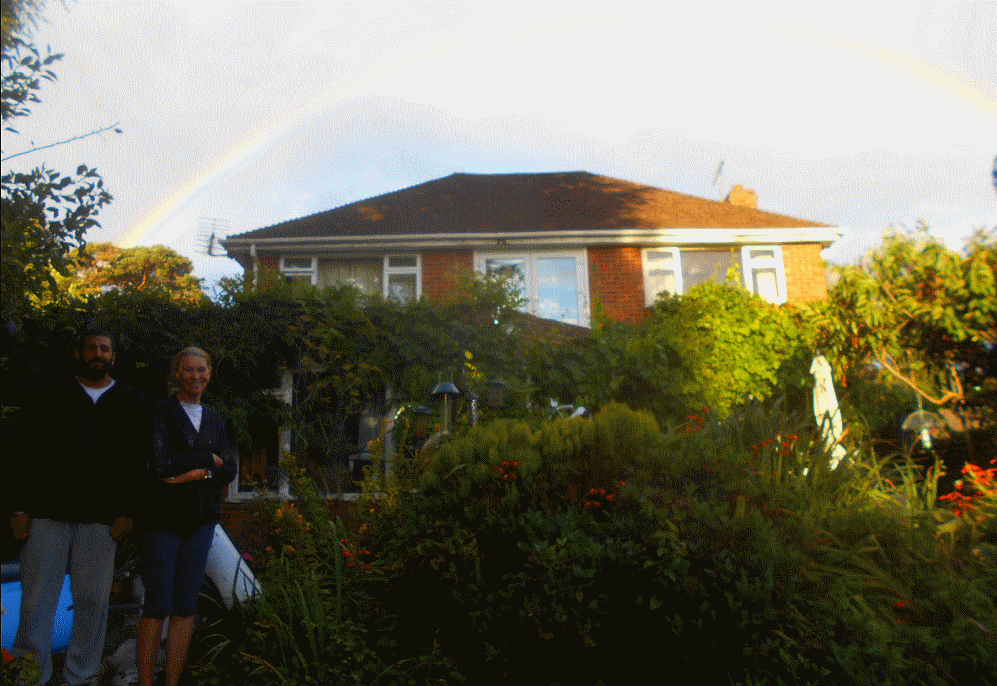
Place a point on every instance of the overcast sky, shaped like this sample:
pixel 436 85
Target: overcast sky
pixel 858 114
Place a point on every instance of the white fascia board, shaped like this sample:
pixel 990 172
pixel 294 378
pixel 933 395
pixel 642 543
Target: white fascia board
pixel 532 239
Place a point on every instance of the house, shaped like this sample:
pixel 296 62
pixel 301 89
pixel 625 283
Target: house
pixel 565 237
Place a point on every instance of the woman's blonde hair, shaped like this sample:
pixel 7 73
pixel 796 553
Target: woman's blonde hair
pixel 184 354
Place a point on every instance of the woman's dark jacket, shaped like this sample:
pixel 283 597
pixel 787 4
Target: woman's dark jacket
pixel 178 448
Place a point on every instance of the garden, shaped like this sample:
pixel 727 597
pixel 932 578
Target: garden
pixel 687 522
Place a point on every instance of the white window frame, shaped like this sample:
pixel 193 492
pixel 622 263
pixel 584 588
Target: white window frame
pixel 749 264
pixel 648 266
pixel 310 272
pixel 530 257
pixel 388 271
pixel 284 393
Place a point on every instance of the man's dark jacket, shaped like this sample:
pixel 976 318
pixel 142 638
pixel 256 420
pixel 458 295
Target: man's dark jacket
pixel 178 448
pixel 77 461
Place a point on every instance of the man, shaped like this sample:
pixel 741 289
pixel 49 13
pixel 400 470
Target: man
pixel 82 446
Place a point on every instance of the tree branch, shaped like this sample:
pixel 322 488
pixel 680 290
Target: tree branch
pixel 68 140
pixel 951 395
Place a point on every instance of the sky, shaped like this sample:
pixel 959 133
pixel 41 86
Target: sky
pixel 863 115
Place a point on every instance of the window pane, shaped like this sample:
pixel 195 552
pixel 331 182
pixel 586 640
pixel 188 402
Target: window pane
pixel 662 280
pixel 660 256
pixel 755 254
pixel 297 263
pixel 298 278
pixel 699 266
pixel 364 274
pixel 513 268
pixel 401 287
pixel 557 289
pixel 402 261
pixel 765 284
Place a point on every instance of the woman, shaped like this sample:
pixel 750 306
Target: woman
pixel 189 466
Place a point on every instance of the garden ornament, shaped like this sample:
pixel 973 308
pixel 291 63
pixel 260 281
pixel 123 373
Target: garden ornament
pixel 826 410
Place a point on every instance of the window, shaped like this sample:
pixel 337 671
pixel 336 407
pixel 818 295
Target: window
pixel 763 271
pixel 365 275
pixel 393 276
pixel 675 270
pixel 258 464
pixel 554 284
pixel 301 269
pixel 402 277
pixel 661 273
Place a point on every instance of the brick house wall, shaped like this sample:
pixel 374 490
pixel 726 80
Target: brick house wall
pixel 441 269
pixel 805 279
pixel 616 278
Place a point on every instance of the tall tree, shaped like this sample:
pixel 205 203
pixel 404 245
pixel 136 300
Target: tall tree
pixel 45 213
pixel 157 269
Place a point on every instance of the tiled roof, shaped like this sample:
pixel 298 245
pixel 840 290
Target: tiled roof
pixel 509 203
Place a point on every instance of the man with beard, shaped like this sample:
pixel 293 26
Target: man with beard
pixel 81 447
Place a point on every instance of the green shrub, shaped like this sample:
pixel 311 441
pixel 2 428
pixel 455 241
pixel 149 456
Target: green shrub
pixel 610 550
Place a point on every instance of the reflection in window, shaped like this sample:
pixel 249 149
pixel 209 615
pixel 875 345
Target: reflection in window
pixel 557 289
pixel 402 277
pixel 552 284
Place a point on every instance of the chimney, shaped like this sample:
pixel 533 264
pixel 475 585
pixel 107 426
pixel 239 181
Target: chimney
pixel 742 197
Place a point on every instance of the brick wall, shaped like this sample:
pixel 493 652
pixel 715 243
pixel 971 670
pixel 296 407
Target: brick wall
pixel 805 279
pixel 617 279
pixel 440 271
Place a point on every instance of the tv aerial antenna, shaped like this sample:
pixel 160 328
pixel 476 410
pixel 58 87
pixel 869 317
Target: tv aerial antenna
pixel 210 231
pixel 718 177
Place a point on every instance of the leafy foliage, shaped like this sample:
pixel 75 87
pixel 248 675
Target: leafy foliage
pixel 102 267
pixel 606 550
pixel 45 215
pixel 712 347
pixel 919 312
pixel 734 344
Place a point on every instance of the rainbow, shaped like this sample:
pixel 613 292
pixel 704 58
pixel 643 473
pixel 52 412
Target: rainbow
pixel 242 153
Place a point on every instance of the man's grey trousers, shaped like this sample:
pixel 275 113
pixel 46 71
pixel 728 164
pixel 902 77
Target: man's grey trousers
pixel 87 552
